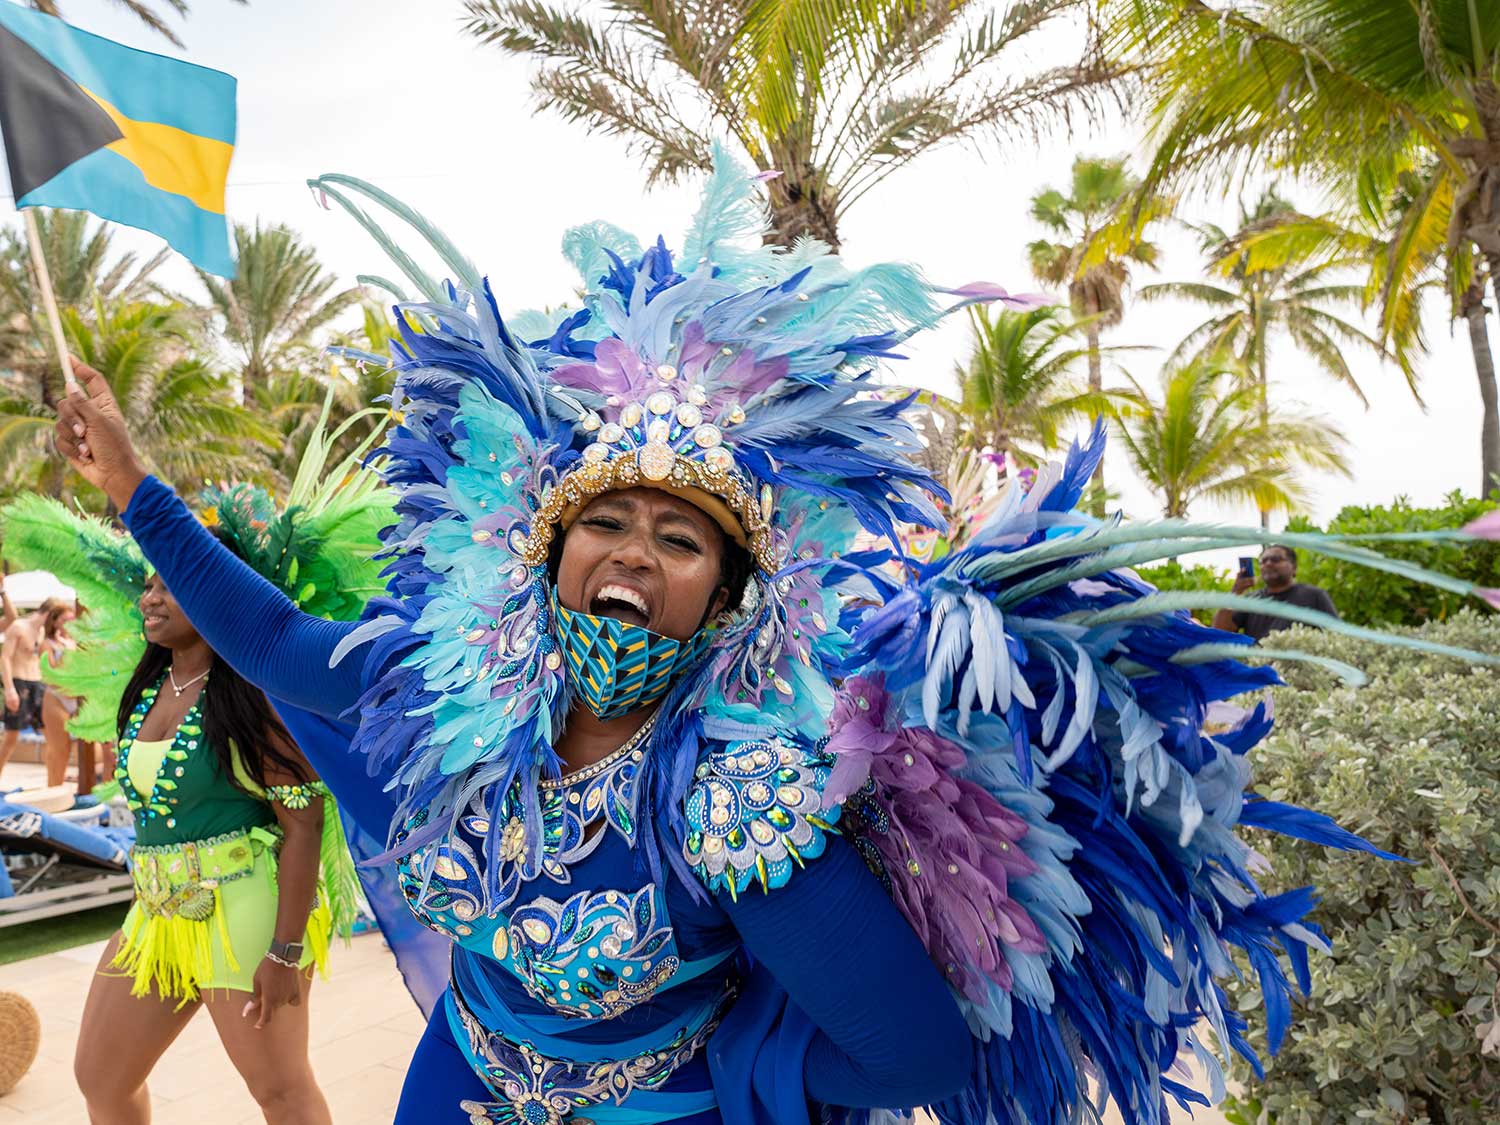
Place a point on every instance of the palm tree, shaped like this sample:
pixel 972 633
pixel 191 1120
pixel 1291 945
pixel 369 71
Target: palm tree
pixel 833 95
pixel 1201 439
pixel 354 378
pixel 1021 384
pixel 183 416
pixel 147 13
pixel 1259 301
pixel 1401 239
pixel 84 268
pixel 274 312
pixel 1368 93
pixel 1099 239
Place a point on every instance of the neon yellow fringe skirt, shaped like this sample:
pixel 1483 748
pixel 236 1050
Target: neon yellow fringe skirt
pixel 204 916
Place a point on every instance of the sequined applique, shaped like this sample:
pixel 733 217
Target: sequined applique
pixel 297 797
pixel 534 1089
pixel 754 812
pixel 863 818
pixel 453 901
pixel 595 955
pixel 162 800
pixel 568 809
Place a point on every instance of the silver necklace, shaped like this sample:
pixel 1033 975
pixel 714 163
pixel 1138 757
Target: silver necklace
pixel 180 688
pixel 568 780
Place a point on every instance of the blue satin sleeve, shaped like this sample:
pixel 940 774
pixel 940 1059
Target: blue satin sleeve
pixel 244 618
pixel 882 1029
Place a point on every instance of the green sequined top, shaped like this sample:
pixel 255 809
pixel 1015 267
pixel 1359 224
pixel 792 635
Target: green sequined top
pixel 191 798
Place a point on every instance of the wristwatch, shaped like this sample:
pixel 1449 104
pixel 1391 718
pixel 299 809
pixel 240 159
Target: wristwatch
pixel 288 953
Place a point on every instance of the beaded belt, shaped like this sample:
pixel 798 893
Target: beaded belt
pixel 182 878
pixel 535 1089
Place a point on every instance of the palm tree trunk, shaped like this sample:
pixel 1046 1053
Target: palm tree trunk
pixel 799 208
pixel 1096 388
pixel 1474 312
pixel 1262 376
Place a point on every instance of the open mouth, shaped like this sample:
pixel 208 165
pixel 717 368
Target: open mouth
pixel 154 621
pixel 622 603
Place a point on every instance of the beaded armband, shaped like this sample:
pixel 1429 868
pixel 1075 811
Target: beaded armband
pixel 755 812
pixel 297 797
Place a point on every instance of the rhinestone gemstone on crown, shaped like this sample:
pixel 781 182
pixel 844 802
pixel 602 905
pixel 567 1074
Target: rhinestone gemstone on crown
pixel 668 436
pixel 656 460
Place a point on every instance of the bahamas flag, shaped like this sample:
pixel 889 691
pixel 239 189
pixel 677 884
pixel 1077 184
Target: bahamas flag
pixel 136 138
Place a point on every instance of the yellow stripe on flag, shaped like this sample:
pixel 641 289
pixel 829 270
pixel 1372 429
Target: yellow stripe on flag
pixel 173 160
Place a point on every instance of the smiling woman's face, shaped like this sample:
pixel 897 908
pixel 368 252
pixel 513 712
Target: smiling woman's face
pixel 165 623
pixel 646 557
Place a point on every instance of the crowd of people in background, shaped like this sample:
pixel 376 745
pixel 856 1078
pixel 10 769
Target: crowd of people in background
pixel 30 703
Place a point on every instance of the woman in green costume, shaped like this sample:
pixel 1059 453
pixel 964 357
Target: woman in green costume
pixel 229 913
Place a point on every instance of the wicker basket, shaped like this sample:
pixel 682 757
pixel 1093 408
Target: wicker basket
pixel 20 1035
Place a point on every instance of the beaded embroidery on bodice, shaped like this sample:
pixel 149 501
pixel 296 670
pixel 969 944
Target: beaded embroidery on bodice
pixel 569 807
pixel 592 955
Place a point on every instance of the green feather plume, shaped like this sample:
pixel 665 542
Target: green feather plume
pixel 107 571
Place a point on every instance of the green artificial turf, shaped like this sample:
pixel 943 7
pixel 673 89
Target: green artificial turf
pixel 48 935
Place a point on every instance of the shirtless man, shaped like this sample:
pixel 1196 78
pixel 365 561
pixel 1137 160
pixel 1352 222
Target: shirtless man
pixel 26 641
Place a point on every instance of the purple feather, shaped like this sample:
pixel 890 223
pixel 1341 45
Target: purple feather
pixel 949 847
pixel 985 291
pixel 1486 526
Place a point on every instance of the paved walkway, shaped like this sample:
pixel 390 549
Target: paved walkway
pixel 364 1028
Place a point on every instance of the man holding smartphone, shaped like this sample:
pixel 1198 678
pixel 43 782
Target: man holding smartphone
pixel 1278 570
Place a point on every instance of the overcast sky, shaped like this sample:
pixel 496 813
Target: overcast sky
pixel 390 91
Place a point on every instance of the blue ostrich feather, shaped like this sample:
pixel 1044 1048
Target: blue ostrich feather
pixel 1066 678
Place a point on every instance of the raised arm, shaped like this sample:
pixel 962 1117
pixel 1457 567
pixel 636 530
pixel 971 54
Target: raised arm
pixel 889 1033
pixel 246 620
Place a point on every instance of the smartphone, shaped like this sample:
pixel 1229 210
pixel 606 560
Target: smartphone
pixel 1247 567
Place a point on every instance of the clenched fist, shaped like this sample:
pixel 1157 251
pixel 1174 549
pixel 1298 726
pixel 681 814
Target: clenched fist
pixel 90 432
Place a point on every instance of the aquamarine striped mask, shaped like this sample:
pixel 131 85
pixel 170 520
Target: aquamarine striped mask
pixel 616 667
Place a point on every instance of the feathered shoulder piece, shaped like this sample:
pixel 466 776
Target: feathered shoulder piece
pixel 731 373
pixel 1024 757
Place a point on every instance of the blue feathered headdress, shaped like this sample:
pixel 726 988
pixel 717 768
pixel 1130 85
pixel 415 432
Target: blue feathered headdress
pixel 733 374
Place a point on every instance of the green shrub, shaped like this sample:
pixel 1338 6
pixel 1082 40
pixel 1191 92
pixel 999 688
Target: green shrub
pixel 1367 597
pixel 1172 575
pixel 1402 1012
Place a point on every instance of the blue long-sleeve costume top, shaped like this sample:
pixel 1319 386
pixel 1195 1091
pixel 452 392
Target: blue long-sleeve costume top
pixel 816 991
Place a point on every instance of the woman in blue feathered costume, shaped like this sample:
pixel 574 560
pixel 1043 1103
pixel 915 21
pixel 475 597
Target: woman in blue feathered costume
pixel 684 878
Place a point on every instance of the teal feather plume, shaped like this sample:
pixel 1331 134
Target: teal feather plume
pixel 730 212
pixel 419 277
pixel 1176 601
pixel 462 270
pixel 588 247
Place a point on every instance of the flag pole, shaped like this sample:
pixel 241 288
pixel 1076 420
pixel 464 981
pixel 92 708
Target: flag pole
pixel 49 299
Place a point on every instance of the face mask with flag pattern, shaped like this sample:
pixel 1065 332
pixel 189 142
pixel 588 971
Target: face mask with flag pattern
pixel 616 667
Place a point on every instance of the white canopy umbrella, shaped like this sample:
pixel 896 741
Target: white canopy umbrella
pixel 30 588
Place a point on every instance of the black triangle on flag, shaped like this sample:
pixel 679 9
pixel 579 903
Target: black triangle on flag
pixel 48 121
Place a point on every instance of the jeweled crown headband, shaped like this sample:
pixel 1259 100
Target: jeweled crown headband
pixel 665 442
